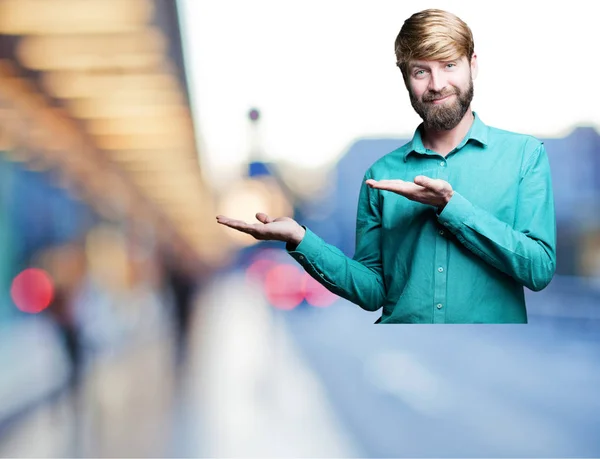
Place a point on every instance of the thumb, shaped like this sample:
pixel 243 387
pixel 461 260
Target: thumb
pixel 263 218
pixel 421 180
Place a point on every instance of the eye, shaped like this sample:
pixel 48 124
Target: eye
pixel 450 65
pixel 419 73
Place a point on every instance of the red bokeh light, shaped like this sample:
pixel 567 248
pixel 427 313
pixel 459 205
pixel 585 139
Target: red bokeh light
pixel 283 286
pixel 315 294
pixel 32 290
pixel 258 270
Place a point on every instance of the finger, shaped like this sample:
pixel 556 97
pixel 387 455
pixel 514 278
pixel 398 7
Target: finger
pixel 222 219
pixel 396 186
pixel 256 230
pixel 385 184
pixel 235 224
pixel 263 218
pixel 429 183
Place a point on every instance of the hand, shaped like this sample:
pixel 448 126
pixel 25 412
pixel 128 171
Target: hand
pixel 279 229
pixel 432 192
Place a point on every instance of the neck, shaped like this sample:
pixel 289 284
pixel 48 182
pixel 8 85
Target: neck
pixel 443 142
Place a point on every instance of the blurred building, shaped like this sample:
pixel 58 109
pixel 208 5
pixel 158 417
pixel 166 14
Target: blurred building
pixel 100 185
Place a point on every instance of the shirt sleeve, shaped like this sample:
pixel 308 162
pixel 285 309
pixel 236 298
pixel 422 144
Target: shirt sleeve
pixel 358 279
pixel 525 251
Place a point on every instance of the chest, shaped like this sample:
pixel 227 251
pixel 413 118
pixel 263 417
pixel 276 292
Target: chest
pixel 489 185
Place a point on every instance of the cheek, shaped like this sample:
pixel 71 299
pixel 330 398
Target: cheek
pixel 417 89
pixel 462 83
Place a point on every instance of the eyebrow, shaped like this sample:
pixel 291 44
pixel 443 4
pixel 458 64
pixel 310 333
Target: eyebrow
pixel 421 66
pixel 426 66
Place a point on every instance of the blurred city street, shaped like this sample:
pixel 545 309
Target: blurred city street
pixel 323 382
pixel 246 391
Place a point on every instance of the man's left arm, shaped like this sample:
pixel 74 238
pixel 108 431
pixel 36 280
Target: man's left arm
pixel 525 251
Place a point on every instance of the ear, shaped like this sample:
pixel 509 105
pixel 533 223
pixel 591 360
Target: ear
pixel 474 66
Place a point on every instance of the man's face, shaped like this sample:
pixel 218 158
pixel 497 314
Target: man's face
pixel 441 92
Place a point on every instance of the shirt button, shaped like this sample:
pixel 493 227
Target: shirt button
pixel 440 269
pixel 442 164
pixel 439 306
pixel 301 257
pixel 441 232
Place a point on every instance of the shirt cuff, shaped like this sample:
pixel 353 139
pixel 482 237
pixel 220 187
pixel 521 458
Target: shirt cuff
pixel 310 246
pixel 456 213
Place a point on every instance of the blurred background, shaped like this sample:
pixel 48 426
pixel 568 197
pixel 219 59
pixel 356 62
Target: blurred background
pixel 132 325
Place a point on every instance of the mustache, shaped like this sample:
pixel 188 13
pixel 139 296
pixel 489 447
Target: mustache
pixel 430 96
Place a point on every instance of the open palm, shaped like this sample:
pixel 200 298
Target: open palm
pixel 434 192
pixel 269 229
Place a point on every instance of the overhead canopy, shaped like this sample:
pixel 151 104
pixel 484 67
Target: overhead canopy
pixel 101 85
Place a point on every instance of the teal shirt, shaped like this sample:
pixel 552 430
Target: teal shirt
pixel 469 263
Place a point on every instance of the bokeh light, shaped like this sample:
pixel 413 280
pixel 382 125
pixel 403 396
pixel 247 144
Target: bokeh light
pixel 32 290
pixel 254 114
pixel 283 287
pixel 316 294
pixel 257 271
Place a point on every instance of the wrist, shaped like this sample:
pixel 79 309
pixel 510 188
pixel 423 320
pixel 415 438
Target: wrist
pixel 297 236
pixel 446 200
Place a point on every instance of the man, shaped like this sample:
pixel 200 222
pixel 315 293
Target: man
pixel 452 225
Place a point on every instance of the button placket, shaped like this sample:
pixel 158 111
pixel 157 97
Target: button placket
pixel 440 260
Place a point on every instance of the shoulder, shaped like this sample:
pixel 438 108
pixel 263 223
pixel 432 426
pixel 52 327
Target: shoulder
pixel 524 149
pixel 524 143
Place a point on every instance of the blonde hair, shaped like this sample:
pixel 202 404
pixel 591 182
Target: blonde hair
pixel 433 35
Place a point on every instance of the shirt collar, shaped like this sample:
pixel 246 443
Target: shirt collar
pixel 478 132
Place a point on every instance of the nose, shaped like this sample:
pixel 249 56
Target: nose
pixel 437 82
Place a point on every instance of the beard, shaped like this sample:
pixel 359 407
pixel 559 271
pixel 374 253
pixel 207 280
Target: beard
pixel 445 116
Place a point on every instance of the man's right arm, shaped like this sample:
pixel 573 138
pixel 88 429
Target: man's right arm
pixel 358 279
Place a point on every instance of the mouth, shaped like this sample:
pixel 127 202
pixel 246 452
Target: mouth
pixel 441 100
